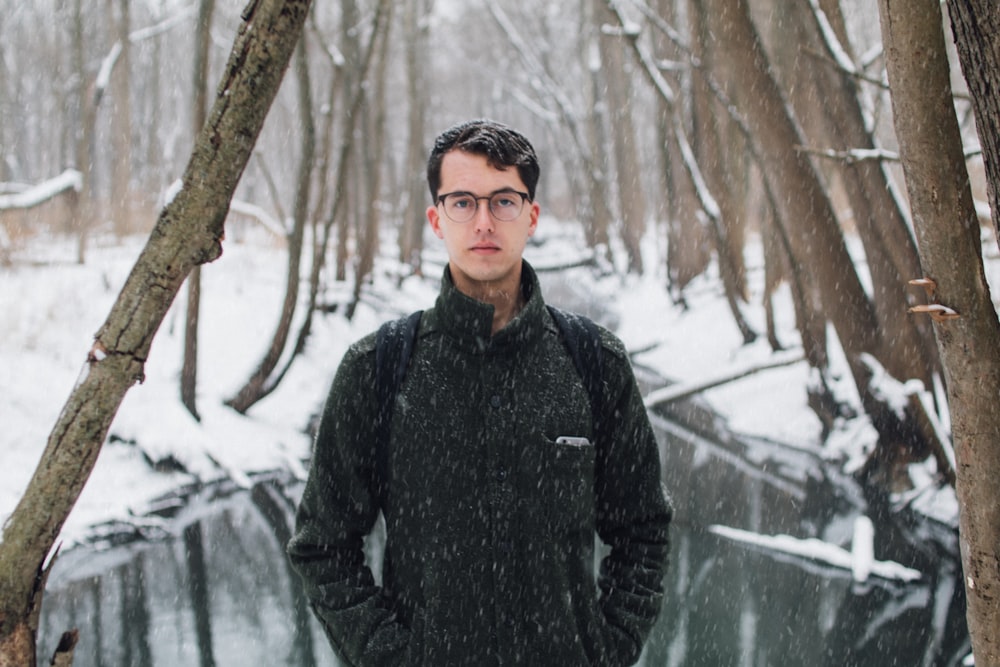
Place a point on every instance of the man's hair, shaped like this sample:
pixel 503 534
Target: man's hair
pixel 502 147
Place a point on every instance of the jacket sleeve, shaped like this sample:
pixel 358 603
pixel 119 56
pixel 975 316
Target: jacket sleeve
pixel 338 509
pixel 633 514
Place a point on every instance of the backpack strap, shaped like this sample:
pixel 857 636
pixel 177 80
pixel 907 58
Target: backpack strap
pixel 583 340
pixel 393 346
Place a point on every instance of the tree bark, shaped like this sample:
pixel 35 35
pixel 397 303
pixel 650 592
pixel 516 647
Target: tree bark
pixel 976 27
pixel 631 193
pixel 261 383
pixel 121 116
pixel 814 233
pixel 373 122
pixel 188 232
pixel 189 368
pixel 947 230
pixel 829 99
pixel 724 168
pixel 416 22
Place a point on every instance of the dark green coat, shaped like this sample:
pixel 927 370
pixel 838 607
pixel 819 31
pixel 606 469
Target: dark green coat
pixel 490 550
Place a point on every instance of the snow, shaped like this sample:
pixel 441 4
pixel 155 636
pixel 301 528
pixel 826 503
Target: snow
pixel 52 306
pixel 860 562
pixel 70 179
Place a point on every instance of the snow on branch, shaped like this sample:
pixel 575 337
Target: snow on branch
pixel 107 67
pixel 163 26
pixel 852 156
pixel 632 31
pixel 859 561
pixel 833 45
pixel 676 392
pixel 260 215
pixel 36 195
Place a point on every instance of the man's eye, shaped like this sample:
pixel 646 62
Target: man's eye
pixel 461 202
pixel 504 201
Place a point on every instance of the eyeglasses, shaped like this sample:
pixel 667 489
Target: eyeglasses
pixel 505 205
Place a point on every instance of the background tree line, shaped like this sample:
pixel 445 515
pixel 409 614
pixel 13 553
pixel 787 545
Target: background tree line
pixel 700 120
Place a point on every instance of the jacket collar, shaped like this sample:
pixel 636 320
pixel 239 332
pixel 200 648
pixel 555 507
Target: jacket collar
pixel 469 322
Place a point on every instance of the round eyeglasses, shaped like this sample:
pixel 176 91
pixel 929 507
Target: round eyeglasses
pixel 504 205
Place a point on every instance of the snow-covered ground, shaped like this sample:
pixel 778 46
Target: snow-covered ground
pixel 52 307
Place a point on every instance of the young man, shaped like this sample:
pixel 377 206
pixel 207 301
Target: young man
pixel 499 475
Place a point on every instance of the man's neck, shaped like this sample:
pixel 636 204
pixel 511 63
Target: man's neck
pixel 506 297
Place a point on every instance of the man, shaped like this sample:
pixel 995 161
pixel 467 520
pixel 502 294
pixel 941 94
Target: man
pixel 497 475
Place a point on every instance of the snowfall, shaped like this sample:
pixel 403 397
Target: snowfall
pixel 52 306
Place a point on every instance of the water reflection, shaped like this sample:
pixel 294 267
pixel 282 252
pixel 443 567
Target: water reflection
pixel 218 590
pixel 219 593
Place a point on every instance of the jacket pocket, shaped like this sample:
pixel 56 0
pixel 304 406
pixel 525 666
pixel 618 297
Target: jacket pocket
pixel 559 479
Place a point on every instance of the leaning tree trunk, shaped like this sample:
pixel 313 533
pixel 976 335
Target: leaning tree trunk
pixel 802 203
pixel 189 232
pixel 968 332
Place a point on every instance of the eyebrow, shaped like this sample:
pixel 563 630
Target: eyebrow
pixel 489 194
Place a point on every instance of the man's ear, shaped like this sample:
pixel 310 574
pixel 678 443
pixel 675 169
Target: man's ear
pixel 434 218
pixel 535 211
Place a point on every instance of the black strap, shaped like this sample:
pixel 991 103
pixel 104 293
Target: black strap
pixel 583 340
pixel 393 346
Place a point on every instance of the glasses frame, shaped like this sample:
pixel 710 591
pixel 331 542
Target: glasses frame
pixel 503 191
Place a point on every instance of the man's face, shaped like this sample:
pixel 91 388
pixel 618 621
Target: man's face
pixel 484 253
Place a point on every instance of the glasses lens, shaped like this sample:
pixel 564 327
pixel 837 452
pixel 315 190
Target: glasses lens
pixel 460 207
pixel 506 205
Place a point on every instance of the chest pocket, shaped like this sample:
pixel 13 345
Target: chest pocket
pixel 558 484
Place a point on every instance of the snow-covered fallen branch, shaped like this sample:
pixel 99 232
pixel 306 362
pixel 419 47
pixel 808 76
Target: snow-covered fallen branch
pixel 859 561
pixel 36 195
pixel 676 392
pixel 854 155
pixel 260 215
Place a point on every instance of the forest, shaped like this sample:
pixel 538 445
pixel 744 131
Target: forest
pixel 858 141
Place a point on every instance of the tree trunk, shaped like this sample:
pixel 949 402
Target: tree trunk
pixel 829 99
pixel 416 22
pixel 688 248
pixel 87 100
pixel 189 232
pixel 121 122
pixel 598 217
pixel 947 229
pixel 372 158
pixel 814 236
pixel 724 170
pixel 189 369
pixel 261 383
pixel 976 27
pixel 631 197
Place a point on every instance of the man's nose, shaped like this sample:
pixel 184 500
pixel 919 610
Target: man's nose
pixel 483 219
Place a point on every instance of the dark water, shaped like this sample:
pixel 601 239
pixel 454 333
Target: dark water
pixel 212 586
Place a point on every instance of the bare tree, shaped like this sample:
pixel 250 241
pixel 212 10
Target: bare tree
pixel 121 116
pixel 261 383
pixel 976 26
pixel 372 121
pixel 416 34
pixel 622 135
pixel 188 232
pixel 968 331
pixel 189 368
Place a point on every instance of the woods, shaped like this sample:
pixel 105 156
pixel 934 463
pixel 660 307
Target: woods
pixel 863 158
